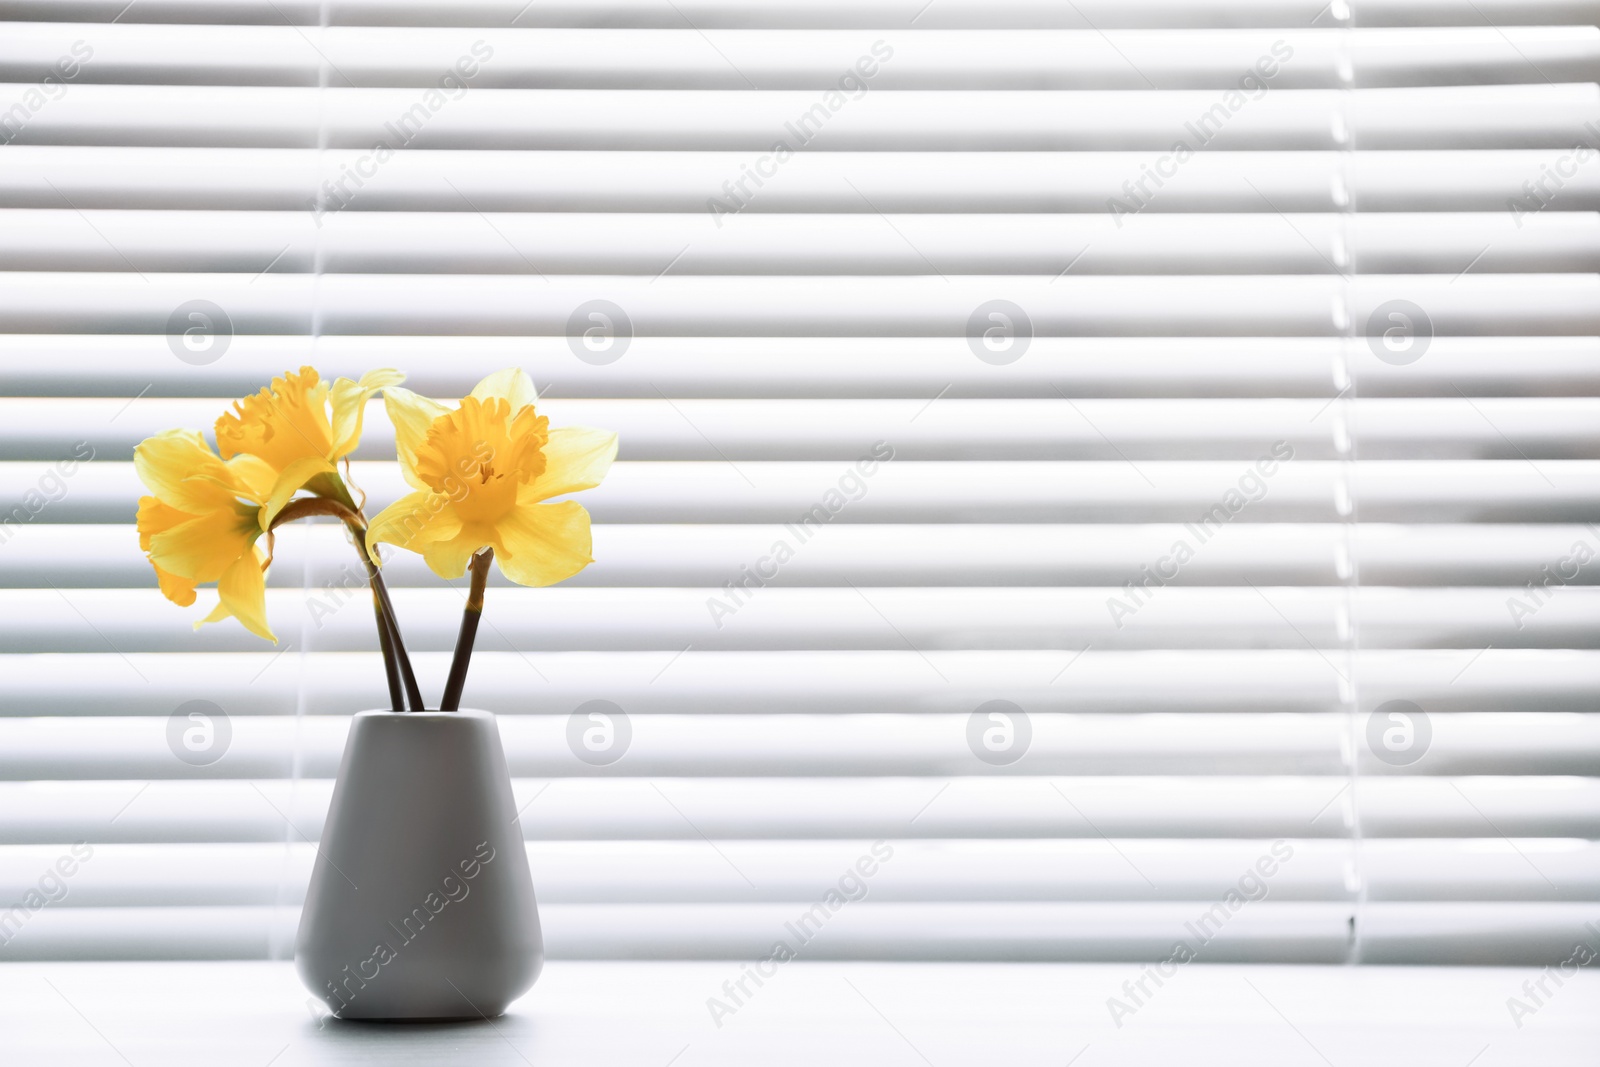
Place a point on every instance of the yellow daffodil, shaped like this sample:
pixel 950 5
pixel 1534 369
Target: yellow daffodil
pixel 208 510
pixel 289 426
pixel 483 471
pixel 202 524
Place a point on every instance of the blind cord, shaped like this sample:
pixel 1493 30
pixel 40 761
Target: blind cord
pixel 1345 433
pixel 281 947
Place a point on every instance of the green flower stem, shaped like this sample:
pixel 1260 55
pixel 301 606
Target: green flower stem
pixel 391 670
pixel 407 676
pixel 469 631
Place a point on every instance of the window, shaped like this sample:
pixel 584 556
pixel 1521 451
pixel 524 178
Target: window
pixel 1137 461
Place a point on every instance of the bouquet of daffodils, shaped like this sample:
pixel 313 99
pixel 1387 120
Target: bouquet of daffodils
pixel 482 472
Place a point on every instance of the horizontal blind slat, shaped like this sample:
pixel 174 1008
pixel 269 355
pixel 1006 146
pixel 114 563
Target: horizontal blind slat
pixel 1561 491
pixel 802 14
pixel 619 808
pixel 1504 934
pixel 785 244
pixel 687 871
pixel 932 304
pixel 586 872
pixel 881 681
pixel 1543 116
pixel 820 745
pixel 98 556
pixel 291 179
pixel 922 618
pixel 841 60
pixel 132 365
pixel 1276 432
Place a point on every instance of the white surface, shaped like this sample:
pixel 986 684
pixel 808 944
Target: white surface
pixel 655 1014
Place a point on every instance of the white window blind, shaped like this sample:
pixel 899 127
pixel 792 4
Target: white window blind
pixel 1215 385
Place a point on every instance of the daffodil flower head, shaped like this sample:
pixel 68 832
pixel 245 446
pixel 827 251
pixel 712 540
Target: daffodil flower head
pixel 300 427
pixel 201 525
pixel 208 509
pixel 483 472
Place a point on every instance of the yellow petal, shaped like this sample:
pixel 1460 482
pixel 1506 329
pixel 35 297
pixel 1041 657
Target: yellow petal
pixel 205 546
pixel 182 471
pixel 242 593
pixel 289 482
pixel 575 458
pixel 413 522
pixel 448 557
pixel 350 404
pixel 178 590
pixel 512 385
pixel 412 415
pixel 155 517
pixel 253 477
pixel 544 543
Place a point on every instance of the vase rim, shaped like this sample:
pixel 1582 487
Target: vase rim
pixel 430 713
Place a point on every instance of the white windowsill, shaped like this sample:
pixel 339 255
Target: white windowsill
pixel 655 1014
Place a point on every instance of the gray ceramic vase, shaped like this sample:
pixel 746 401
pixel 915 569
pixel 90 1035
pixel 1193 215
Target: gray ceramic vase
pixel 421 903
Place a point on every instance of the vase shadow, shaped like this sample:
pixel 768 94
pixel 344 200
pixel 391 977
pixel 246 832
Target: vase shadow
pixel 508 1041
